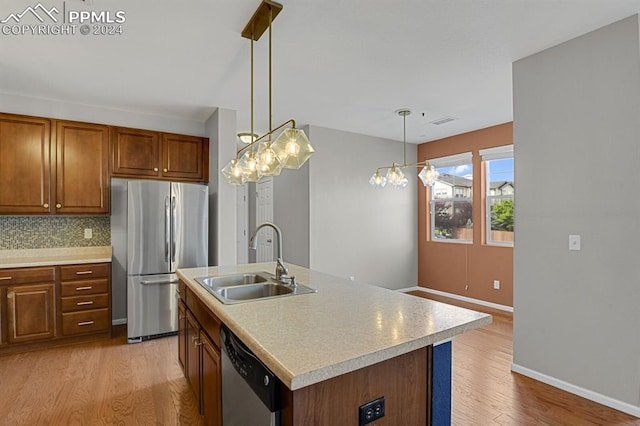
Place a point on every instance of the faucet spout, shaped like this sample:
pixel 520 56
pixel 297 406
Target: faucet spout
pixel 281 270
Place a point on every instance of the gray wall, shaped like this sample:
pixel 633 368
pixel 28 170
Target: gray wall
pixel 576 137
pixel 356 230
pixel 220 128
pixel 291 211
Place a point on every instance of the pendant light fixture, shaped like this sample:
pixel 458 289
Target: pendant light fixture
pixel 395 176
pixel 264 156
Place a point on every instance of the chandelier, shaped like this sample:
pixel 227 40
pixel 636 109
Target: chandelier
pixel 394 176
pixel 263 156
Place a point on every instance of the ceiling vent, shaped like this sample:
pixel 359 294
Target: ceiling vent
pixel 443 120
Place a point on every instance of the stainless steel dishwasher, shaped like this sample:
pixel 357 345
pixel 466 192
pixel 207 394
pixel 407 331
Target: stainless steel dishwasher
pixel 250 391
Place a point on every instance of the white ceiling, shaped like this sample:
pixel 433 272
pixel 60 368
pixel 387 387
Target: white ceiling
pixel 340 64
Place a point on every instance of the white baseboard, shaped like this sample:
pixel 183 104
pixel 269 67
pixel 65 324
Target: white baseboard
pixel 458 297
pixel 577 390
pixel 119 321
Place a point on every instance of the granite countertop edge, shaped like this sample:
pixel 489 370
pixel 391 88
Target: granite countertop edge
pixel 26 258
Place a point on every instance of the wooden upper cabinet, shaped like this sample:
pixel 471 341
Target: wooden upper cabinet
pixel 25 175
pixel 82 174
pixel 185 157
pixel 135 153
pixel 149 154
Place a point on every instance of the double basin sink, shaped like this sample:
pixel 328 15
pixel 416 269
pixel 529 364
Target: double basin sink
pixel 239 288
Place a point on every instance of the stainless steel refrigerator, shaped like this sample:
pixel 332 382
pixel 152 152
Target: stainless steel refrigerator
pixel 167 229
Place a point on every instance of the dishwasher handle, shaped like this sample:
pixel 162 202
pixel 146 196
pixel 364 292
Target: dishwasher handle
pixel 264 383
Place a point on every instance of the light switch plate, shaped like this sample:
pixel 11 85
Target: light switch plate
pixel 574 242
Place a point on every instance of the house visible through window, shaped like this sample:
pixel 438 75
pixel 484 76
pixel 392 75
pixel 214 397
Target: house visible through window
pixel 451 207
pixel 500 188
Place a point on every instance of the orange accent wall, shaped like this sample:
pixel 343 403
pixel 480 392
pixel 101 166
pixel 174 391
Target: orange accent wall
pixel 449 267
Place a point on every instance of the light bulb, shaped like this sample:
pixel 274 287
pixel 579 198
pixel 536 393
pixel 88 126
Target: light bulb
pixel 292 148
pixel 268 162
pixel 377 181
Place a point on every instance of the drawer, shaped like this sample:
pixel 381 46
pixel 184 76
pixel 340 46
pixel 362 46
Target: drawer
pixel 27 275
pixel 83 303
pixel 83 272
pixel 81 288
pixel 85 322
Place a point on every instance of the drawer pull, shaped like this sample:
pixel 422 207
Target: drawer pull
pixel 5 278
pixel 85 323
pixel 84 272
pixel 84 288
pixel 84 303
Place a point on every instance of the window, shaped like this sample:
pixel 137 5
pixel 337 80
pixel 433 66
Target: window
pixel 500 188
pixel 451 207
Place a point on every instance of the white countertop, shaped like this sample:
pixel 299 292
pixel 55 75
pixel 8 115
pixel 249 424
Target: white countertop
pixel 345 326
pixel 54 256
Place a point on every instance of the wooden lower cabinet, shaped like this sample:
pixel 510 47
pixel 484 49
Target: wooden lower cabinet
pixel 31 312
pixel 211 382
pixel 182 335
pixel 193 356
pixel 38 310
pixel 201 356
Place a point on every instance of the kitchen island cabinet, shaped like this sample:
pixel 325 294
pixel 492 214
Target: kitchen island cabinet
pixel 344 346
pixel 199 353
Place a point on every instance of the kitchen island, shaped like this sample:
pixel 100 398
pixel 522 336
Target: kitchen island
pixel 336 349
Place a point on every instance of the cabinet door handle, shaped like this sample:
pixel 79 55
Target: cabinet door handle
pixel 84 288
pixel 90 302
pixel 155 169
pixel 58 205
pixel 85 323
pixel 5 278
pixel 45 205
pixel 10 295
pixel 84 272
pixel 165 170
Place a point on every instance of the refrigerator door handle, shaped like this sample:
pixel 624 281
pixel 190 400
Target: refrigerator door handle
pixel 174 226
pixel 167 229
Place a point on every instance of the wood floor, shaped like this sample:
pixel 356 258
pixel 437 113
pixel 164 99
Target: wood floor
pixel 101 383
pixel 113 383
pixel 486 392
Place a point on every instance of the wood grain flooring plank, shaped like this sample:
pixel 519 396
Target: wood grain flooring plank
pixel 486 391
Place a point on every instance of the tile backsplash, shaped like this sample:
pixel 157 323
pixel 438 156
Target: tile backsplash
pixel 32 232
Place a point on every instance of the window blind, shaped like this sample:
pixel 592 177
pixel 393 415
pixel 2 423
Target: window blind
pixel 497 153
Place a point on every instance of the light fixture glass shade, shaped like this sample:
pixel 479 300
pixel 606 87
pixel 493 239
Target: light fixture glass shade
pixel 292 148
pixel 402 182
pixel 268 161
pixel 246 137
pixel 249 165
pixel 395 177
pixel 234 173
pixel 377 180
pixel 428 175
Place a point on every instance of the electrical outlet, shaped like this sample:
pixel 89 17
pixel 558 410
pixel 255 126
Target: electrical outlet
pixel 496 284
pixel 88 233
pixel 371 411
pixel 352 278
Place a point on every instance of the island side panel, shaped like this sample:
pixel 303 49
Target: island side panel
pixel 402 381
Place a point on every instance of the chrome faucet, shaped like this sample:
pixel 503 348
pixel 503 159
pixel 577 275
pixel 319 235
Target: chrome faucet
pixel 282 273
